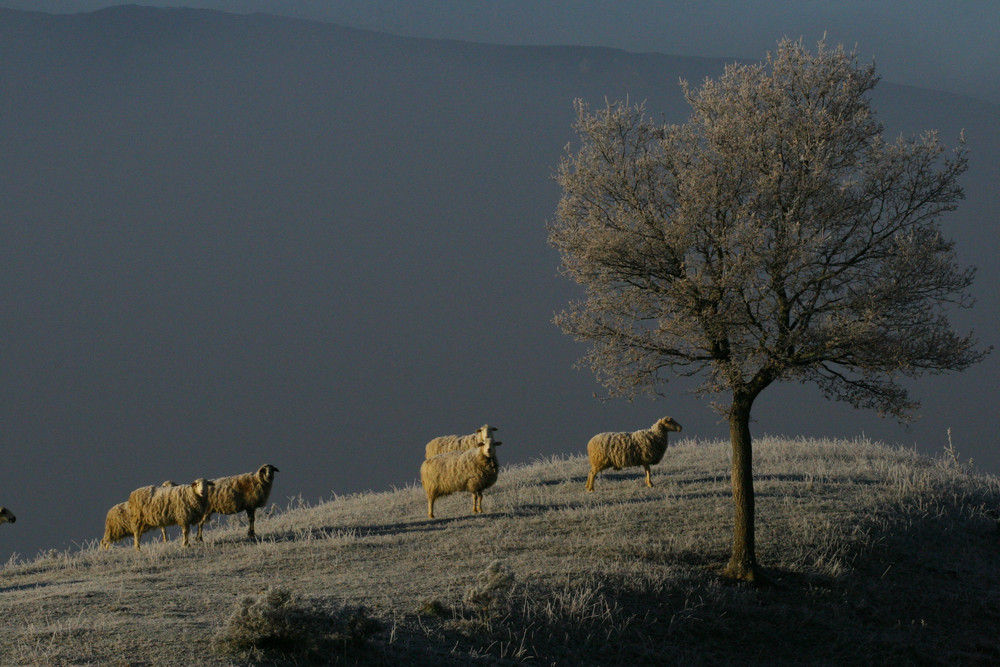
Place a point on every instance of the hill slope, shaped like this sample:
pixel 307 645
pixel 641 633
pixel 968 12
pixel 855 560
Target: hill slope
pixel 873 551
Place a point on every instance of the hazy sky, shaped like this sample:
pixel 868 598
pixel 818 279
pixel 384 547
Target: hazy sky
pixel 944 45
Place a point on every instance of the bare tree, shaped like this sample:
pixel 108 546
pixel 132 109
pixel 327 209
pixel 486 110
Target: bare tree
pixel 774 236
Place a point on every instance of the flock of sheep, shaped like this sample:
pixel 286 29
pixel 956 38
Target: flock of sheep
pixel 456 463
pixel 184 505
pixel 452 464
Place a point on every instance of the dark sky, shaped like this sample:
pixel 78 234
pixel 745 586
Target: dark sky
pixel 232 240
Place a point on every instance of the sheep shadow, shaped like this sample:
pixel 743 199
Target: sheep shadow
pixel 609 475
pixel 581 479
pixel 36 585
pixel 591 501
pixel 234 540
pixel 369 530
pixel 537 509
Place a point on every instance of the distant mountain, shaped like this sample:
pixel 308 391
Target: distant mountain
pixel 916 42
pixel 227 240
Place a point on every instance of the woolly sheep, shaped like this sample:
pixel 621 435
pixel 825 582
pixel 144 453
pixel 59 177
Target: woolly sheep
pixel 117 525
pixel 6 516
pixel 155 507
pixel 239 493
pixel 457 443
pixel 623 450
pixel 470 470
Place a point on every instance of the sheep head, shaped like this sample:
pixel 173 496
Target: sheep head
pixel 487 448
pixel 6 516
pixel 669 424
pixel 485 431
pixel 201 486
pixel 266 473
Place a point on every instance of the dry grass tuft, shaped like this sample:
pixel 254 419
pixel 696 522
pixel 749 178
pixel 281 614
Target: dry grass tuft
pixel 278 624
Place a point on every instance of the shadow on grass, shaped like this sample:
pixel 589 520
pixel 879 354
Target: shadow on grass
pixel 370 530
pixel 36 585
pixel 242 539
pixel 582 480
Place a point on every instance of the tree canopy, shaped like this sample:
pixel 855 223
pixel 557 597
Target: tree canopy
pixel 776 235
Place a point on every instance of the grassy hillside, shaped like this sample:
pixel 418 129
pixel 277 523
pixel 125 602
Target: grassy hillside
pixel 875 554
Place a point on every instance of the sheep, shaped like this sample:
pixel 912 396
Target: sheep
pixel 154 507
pixel 6 516
pixel 457 443
pixel 117 525
pixel 470 470
pixel 624 450
pixel 237 493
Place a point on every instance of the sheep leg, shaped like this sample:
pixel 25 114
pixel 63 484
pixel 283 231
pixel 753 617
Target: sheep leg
pixel 590 479
pixel 137 533
pixel 430 507
pixel 185 530
pixel 250 517
pixel 476 508
pixel 204 519
pixel 649 481
pixel 163 531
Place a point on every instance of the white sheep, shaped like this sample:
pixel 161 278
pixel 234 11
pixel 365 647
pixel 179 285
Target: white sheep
pixel 157 506
pixel 238 493
pixel 117 525
pixel 457 443
pixel 624 450
pixel 6 516
pixel 470 470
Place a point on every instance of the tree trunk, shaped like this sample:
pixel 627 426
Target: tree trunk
pixel 743 563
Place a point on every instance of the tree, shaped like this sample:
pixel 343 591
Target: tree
pixel 775 236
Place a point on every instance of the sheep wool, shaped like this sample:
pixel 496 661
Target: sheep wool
pixel 157 506
pixel 163 529
pixel 470 470
pixel 239 493
pixel 457 443
pixel 625 450
pixel 6 516
pixel 117 525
